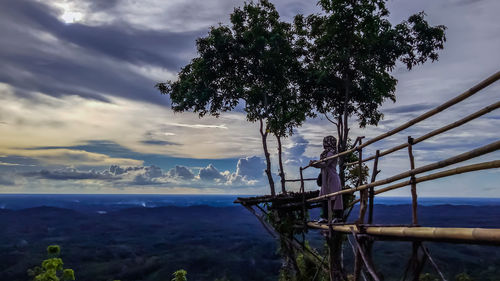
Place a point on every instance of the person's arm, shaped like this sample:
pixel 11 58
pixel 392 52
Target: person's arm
pixel 322 164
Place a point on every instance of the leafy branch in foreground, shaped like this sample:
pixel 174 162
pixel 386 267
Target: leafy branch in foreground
pixel 180 275
pixel 52 268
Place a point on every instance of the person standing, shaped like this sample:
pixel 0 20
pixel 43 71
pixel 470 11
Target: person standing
pixel 330 180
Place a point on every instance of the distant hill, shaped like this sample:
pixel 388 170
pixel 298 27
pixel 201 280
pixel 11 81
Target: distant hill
pixel 209 242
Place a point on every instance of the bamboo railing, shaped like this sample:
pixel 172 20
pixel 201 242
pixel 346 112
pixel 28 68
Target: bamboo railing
pixel 411 174
pixel 447 173
pixel 436 132
pixel 365 234
pixel 438 234
pixel 475 89
pixel 437 165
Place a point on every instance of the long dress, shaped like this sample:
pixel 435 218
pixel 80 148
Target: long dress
pixel 330 180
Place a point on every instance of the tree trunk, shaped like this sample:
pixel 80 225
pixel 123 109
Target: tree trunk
pixel 335 257
pixel 282 172
pixel 337 272
pixel 263 134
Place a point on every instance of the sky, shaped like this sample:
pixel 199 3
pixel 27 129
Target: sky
pixel 79 112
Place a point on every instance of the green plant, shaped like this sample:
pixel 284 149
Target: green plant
pixel 52 268
pixel 180 275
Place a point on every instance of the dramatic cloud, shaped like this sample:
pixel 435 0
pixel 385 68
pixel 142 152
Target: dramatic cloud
pixel 251 168
pixel 77 91
pixel 180 172
pixel 120 177
pixel 210 173
pixel 69 174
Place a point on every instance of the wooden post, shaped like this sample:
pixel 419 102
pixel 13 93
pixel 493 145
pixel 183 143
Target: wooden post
pixel 413 183
pixel 415 264
pixel 304 217
pixel 365 258
pixel 330 212
pixel 280 161
pixel 301 180
pixel 375 171
pixel 363 194
pixel 362 211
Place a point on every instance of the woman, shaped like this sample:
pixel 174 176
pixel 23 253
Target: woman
pixel 330 180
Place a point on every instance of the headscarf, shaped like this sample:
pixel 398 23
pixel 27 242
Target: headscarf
pixel 330 145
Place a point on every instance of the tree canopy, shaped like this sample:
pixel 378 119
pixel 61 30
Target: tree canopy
pixel 335 62
pixel 253 62
pixel 351 50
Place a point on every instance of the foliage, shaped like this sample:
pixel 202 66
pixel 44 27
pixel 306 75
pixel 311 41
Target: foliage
pixel 52 268
pixel 308 269
pixel 254 60
pixel 427 277
pixel 180 275
pixel 463 277
pixel 352 49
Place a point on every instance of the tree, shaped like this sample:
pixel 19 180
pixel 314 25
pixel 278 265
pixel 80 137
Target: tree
pixel 352 49
pixel 52 268
pixel 254 62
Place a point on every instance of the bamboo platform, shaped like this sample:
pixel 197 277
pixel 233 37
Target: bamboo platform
pixel 289 197
pixel 271 209
pixel 487 236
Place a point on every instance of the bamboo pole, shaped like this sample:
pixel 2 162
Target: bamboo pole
pixel 478 87
pixel 365 258
pixel 436 165
pixel 363 195
pixel 295 180
pixel 460 170
pixel 481 85
pixel 448 127
pixel 465 235
pixel 413 183
pixel 375 171
pixel 424 249
pixel 362 210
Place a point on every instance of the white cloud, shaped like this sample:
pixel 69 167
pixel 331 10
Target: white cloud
pixel 180 172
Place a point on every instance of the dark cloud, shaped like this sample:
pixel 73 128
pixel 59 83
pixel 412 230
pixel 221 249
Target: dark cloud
pixel 68 174
pixel 46 55
pixel 159 142
pixel 120 41
pixel 139 175
pixel 410 108
pixel 99 5
pixel 19 160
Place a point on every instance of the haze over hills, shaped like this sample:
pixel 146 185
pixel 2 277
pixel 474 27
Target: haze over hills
pixel 103 242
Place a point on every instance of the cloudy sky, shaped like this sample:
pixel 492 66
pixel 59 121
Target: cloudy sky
pixel 79 113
